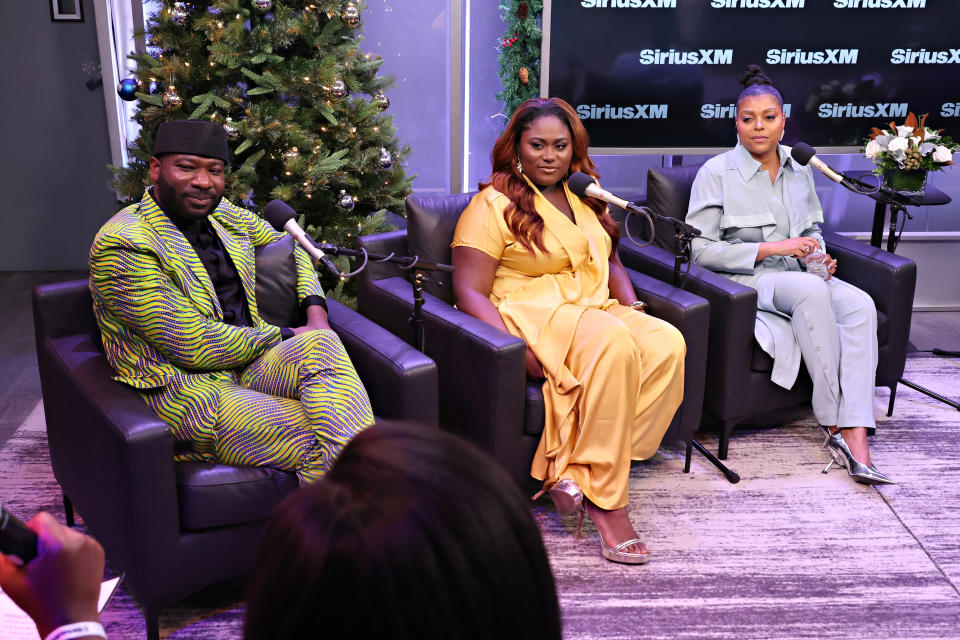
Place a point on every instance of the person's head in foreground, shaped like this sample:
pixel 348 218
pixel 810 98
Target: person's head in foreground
pixel 414 533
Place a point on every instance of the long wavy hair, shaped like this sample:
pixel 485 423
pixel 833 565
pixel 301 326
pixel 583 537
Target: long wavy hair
pixel 521 215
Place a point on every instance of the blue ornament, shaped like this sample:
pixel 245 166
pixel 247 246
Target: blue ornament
pixel 127 89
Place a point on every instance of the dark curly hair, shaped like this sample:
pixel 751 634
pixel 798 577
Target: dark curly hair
pixel 757 83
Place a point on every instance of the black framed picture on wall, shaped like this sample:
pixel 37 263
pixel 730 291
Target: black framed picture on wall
pixel 66 10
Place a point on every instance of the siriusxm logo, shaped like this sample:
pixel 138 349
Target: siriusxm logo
pixel 879 4
pixel 756 4
pixel 629 4
pixel 850 110
pixel 825 56
pixel 950 110
pixel 922 56
pixel 636 112
pixel 672 56
pixel 711 111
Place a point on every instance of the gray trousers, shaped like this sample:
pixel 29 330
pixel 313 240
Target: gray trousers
pixel 835 325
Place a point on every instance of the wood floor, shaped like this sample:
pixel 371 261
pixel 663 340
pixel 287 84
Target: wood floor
pixel 20 387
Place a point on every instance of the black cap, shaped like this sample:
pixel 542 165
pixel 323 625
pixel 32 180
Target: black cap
pixel 192 137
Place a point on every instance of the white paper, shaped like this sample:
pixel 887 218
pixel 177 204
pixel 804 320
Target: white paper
pixel 17 625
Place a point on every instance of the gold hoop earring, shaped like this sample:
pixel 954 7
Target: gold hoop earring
pixel 519 165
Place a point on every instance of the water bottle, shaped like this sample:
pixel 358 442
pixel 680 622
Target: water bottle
pixel 816 263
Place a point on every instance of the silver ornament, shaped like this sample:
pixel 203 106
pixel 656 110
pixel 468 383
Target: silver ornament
pixel 263 5
pixel 179 13
pixel 386 160
pixel 338 89
pixel 231 130
pixel 346 200
pixel 291 153
pixel 171 99
pixel 351 15
pixel 382 100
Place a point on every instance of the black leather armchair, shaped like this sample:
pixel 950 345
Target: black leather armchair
pixel 484 394
pixel 177 527
pixel 737 368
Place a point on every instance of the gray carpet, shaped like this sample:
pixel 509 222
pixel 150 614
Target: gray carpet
pixel 788 552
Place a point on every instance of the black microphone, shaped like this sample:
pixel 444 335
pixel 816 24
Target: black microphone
pixel 582 185
pixel 16 540
pixel 282 217
pixel 804 153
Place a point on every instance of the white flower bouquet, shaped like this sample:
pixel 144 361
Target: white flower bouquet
pixel 910 146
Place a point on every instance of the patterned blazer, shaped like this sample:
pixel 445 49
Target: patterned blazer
pixel 156 306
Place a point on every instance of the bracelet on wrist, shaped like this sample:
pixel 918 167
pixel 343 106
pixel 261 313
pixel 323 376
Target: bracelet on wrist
pixel 77 630
pixel 639 305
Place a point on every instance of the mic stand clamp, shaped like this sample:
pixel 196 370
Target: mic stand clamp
pixel 405 263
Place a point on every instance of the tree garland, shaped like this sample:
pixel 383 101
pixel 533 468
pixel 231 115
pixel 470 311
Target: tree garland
pixel 518 52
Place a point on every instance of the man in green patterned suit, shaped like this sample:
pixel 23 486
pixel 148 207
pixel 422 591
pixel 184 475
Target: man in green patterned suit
pixel 173 288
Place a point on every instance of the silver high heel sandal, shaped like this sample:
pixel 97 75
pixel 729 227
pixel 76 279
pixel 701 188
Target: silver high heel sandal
pixel 568 497
pixel 863 473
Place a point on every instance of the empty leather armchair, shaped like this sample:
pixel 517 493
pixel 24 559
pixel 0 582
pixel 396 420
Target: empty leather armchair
pixel 484 393
pixel 174 528
pixel 738 370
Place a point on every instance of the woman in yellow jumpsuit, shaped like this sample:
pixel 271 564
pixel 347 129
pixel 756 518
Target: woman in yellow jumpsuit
pixel 539 262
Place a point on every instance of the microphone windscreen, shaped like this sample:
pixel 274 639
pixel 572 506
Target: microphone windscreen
pixel 802 152
pixel 578 183
pixel 278 213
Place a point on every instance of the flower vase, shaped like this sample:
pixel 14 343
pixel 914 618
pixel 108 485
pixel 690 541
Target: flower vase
pixel 911 182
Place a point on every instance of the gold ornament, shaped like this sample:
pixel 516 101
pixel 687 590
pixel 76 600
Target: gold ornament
pixel 524 74
pixel 171 99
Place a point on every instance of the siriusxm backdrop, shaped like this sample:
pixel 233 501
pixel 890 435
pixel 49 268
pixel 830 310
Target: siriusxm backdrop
pixel 662 75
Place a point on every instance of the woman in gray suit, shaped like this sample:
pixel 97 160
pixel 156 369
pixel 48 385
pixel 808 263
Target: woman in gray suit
pixel 760 220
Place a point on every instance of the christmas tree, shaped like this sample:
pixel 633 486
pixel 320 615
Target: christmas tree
pixel 303 106
pixel 518 52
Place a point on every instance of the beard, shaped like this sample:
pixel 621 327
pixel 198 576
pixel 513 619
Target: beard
pixel 174 202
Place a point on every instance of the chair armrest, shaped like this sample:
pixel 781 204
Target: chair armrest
pixel 888 278
pixel 733 316
pixel 111 455
pixel 483 369
pixel 690 314
pixel 891 281
pixel 401 381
